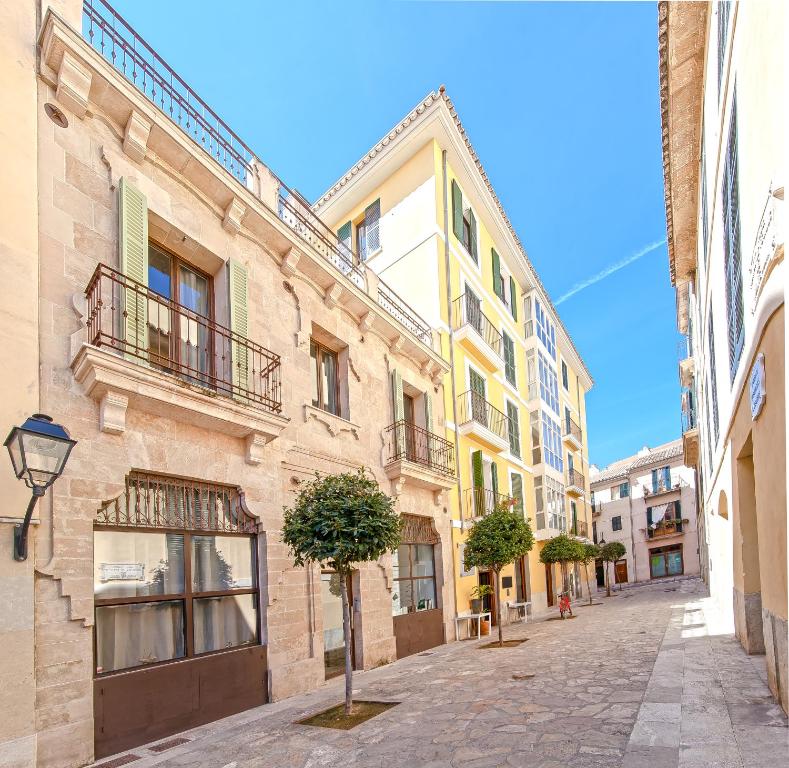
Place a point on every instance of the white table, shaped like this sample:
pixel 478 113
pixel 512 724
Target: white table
pixel 471 616
pixel 523 617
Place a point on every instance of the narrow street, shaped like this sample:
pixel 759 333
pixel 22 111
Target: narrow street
pixel 640 681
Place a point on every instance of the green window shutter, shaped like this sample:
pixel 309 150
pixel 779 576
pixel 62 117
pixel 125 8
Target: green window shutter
pixel 478 479
pixel 428 412
pixel 677 511
pixel 514 429
pixel 498 283
pixel 509 359
pixel 133 243
pixel 513 299
pixel 397 396
pixel 345 236
pixel 516 490
pixel 473 244
pixel 239 324
pixel 494 481
pixel 457 211
pixel 372 221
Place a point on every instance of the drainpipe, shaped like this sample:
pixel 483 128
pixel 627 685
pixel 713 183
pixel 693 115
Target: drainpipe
pixel 448 276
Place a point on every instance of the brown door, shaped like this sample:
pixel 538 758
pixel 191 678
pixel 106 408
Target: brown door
pixel 549 583
pixel 620 571
pixel 489 601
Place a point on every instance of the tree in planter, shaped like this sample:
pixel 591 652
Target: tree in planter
pixel 610 553
pixel 496 540
pixel 562 549
pixel 339 520
pixel 590 553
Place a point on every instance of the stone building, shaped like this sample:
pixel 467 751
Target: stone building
pixel 723 101
pixel 204 338
pixel 648 503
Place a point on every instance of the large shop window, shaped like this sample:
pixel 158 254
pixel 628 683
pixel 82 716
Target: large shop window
pixel 174 573
pixel 413 567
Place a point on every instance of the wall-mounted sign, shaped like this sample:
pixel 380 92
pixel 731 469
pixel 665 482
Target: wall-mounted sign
pixel 758 386
pixel 122 571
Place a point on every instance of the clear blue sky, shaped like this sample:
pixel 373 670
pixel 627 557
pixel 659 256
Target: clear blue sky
pixel 561 103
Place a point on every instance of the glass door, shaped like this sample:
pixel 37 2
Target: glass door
pixel 478 410
pixel 193 352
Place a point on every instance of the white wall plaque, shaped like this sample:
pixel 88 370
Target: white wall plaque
pixel 122 571
pixel 758 386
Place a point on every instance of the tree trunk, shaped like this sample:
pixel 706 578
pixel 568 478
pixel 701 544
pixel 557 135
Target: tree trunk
pixel 588 583
pixel 607 579
pixel 498 608
pixel 346 634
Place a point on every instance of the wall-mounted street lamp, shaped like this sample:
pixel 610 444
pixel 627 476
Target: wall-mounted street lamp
pixel 39 450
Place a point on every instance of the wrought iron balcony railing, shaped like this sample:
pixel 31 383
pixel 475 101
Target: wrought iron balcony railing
pixel 115 39
pixel 575 478
pixel 572 430
pixel 466 310
pixel 666 528
pixel 661 486
pixel 408 442
pixel 132 320
pixel 472 406
pixel 482 501
pixel 579 528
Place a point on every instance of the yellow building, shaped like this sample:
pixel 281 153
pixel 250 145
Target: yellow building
pixel 418 210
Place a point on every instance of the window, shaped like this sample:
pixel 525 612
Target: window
pixel 168 594
pixel 616 523
pixel 368 235
pixel 509 359
pixel 724 8
pixel 713 390
pixel 514 429
pixel 549 384
pixel 565 377
pixel 661 479
pixel 464 223
pixel 546 331
pixel 704 203
pixel 552 443
pixel 621 491
pixel 413 570
pixel 325 378
pixel 549 504
pixel 731 247
pixel 516 491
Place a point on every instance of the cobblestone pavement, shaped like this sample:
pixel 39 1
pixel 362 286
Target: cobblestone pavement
pixel 638 681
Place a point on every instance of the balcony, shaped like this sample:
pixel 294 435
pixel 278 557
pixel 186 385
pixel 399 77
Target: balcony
pixel 662 487
pixel 579 528
pixel 597 509
pixel 481 421
pixel 482 501
pixel 575 483
pixel 418 457
pixel 148 351
pixel 475 332
pixel 195 139
pixel 690 430
pixel 572 435
pixel 666 528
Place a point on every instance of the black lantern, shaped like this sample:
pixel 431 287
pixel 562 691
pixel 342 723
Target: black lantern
pixel 39 450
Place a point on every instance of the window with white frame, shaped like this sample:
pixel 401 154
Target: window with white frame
pixel 549 383
pixel 552 443
pixel 549 504
pixel 546 331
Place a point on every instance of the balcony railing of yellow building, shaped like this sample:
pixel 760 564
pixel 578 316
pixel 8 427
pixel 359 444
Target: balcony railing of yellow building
pixel 579 528
pixel 482 501
pixel 472 406
pixel 113 37
pixel 466 310
pixel 132 320
pixel 575 479
pixel 407 442
pixel 666 528
pixel 572 431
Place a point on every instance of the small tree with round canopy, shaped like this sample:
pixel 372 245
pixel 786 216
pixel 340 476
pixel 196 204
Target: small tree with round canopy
pixel 339 520
pixel 562 549
pixel 496 540
pixel 590 553
pixel 610 553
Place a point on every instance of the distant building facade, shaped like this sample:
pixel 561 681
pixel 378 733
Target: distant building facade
pixel 723 96
pixel 648 503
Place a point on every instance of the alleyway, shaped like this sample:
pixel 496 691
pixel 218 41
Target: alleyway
pixel 639 682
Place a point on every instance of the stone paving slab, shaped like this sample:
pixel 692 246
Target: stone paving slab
pixel 634 682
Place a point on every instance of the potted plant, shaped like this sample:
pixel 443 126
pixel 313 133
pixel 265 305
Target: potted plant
pixel 478 594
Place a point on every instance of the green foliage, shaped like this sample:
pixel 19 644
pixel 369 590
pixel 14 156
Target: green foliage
pixel 480 591
pixel 498 539
pixel 612 551
pixel 339 520
pixel 591 552
pixel 562 549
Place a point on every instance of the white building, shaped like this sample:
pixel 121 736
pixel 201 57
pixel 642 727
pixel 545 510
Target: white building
pixel 648 503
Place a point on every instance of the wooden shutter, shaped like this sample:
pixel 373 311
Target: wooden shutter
pixel 514 429
pixel 516 489
pixel 428 412
pixel 473 227
pixel 494 481
pixel 398 411
pixel 133 243
pixel 649 517
pixel 239 324
pixel 654 481
pixel 509 359
pixel 344 235
pixel 477 477
pixel 372 220
pixel 457 211
pixel 513 300
pixel 498 283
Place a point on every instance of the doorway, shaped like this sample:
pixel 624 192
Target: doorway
pixel 522 585
pixel 620 571
pixel 549 584
pixel 489 601
pixel 333 640
pixel 479 411
pixel 665 561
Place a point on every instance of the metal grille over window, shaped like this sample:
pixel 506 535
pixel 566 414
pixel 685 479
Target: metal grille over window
pixel 155 501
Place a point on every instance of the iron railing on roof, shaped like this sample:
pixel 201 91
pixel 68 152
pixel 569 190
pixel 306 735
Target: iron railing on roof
pixel 115 39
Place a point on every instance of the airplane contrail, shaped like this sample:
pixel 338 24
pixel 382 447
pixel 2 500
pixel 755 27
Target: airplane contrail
pixel 609 270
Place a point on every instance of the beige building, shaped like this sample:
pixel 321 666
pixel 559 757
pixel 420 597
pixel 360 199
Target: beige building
pixel 648 503
pixel 204 339
pixel 723 94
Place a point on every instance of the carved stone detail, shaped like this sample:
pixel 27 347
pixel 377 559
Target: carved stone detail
pixel 254 444
pixel 233 214
pixel 112 412
pixel 335 425
pixel 73 85
pixel 366 323
pixel 333 294
pixel 290 262
pixel 135 136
